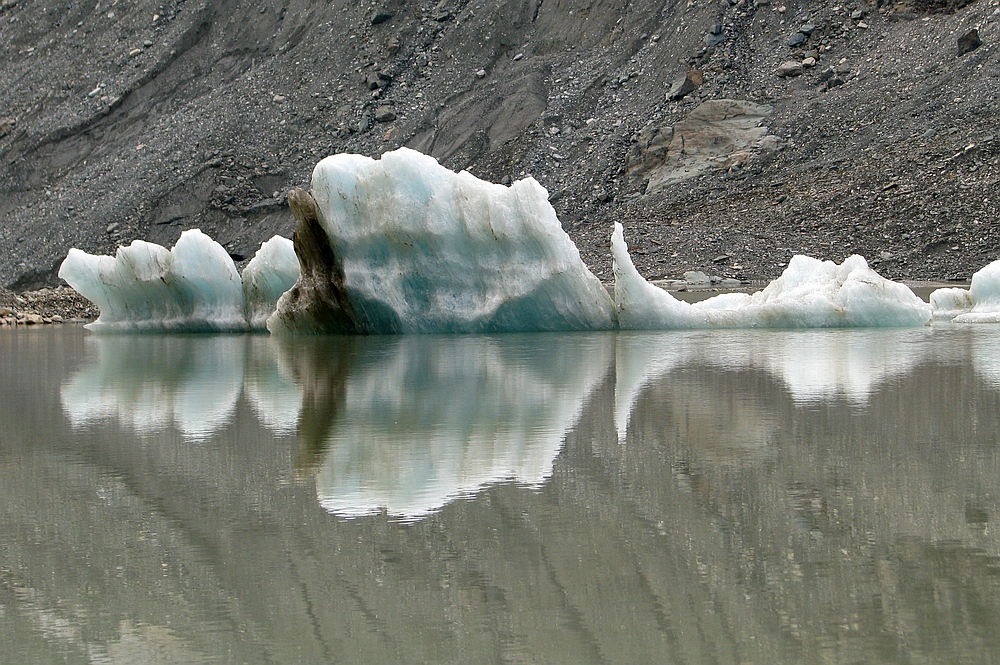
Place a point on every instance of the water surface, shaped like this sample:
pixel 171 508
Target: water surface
pixel 688 497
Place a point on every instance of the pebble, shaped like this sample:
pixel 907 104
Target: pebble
pixel 481 73
pixel 278 99
pixel 857 14
pixel 809 62
pixel 796 39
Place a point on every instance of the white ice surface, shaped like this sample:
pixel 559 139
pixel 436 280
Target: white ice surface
pixel 809 294
pixel 981 303
pixel 193 287
pixel 425 249
pixel 272 271
pixel 949 302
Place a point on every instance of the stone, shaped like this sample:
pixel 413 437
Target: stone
pixel 857 15
pixel 716 29
pixel 715 133
pixel 809 62
pixel 789 69
pixel 696 277
pixel 833 83
pixel 381 16
pixel 807 29
pixel 929 134
pixel 278 99
pixel 481 73
pixel 713 39
pixel 969 42
pixel 384 113
pixel 6 124
pixel 796 39
pixel 374 81
pixel 685 85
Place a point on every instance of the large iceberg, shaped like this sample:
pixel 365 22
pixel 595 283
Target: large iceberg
pixel 809 294
pixel 192 287
pixel 401 244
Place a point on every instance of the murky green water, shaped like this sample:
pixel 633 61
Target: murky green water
pixel 709 497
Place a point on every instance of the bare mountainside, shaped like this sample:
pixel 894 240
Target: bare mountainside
pixel 823 128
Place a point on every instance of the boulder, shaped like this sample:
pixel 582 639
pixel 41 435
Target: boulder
pixel 714 135
pixel 789 69
pixel 685 85
pixel 968 42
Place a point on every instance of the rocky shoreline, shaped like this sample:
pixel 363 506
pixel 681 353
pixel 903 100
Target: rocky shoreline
pixel 45 307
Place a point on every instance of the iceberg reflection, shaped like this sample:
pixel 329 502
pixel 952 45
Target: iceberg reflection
pixel 406 424
pixel 814 365
pixel 420 421
pixel 151 382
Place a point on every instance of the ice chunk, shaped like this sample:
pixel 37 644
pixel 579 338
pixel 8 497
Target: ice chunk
pixel 981 303
pixel 424 249
pixel 950 302
pixel 272 271
pixel 809 294
pixel 194 286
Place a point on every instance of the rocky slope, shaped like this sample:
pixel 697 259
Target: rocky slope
pixel 127 119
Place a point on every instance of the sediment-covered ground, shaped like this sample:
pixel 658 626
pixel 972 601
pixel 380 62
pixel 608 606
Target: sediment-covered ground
pixel 806 126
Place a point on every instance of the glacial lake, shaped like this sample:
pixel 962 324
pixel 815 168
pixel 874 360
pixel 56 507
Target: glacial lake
pixel 683 497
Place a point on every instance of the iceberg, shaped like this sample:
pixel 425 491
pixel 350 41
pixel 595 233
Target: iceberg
pixel 193 287
pixel 403 245
pixel 979 304
pixel 809 294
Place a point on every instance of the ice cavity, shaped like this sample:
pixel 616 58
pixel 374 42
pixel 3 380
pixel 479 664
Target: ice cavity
pixel 979 304
pixel 809 294
pixel 419 248
pixel 193 287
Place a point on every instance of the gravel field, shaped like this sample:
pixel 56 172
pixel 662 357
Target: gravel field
pixel 817 127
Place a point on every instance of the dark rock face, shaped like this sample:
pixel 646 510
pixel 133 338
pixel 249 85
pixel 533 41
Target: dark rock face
pixel 969 42
pixel 117 125
pixel 318 302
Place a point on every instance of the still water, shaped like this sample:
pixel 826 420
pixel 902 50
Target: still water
pixel 689 497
